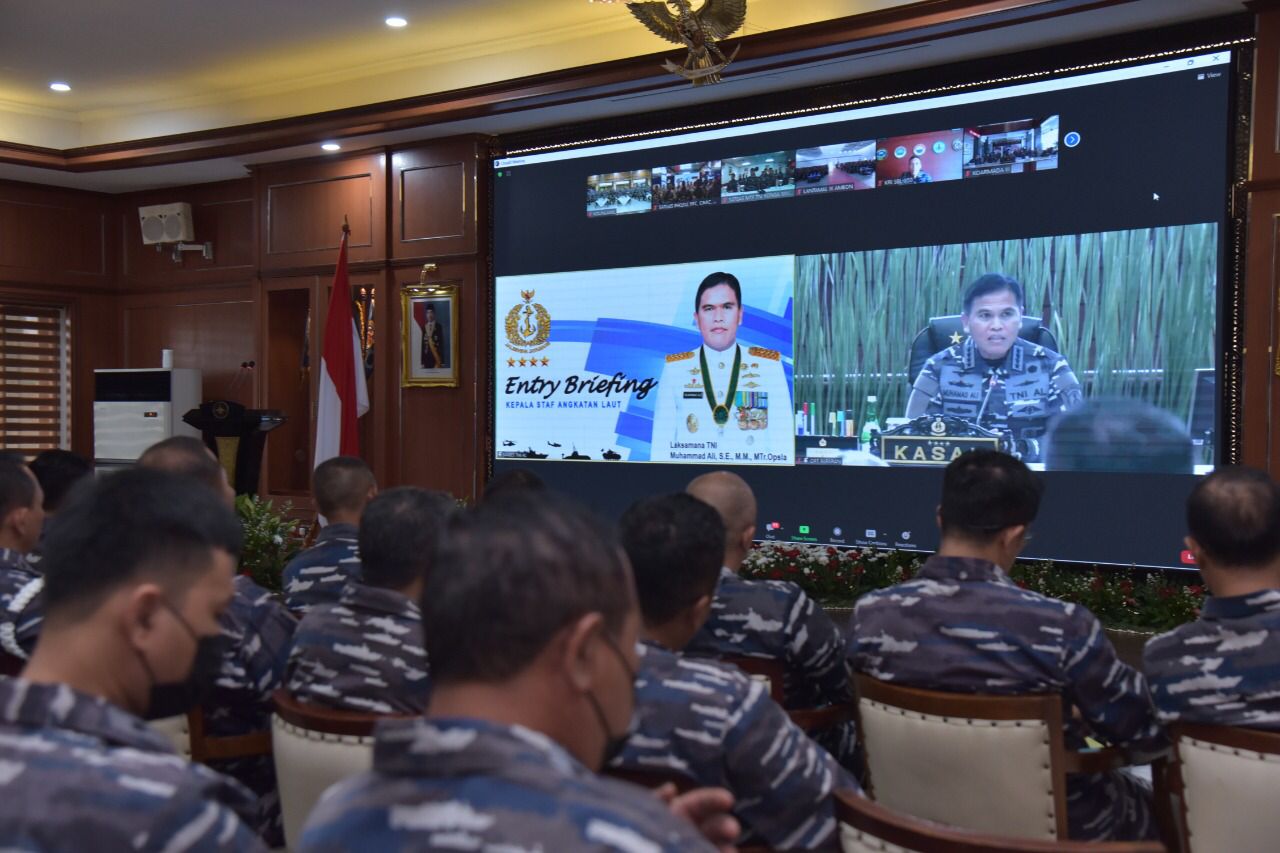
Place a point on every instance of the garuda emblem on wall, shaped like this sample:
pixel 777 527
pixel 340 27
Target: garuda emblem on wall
pixel 698 31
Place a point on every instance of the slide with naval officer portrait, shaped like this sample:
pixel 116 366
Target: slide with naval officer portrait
pixel 681 363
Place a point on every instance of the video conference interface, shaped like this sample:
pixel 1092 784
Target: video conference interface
pixel 837 305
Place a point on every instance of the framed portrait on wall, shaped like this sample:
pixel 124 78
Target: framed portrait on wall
pixel 429 341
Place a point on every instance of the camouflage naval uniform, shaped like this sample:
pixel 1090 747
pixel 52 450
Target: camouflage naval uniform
pixel 707 721
pixel 362 654
pixel 1223 669
pixel 259 631
pixel 775 620
pixel 464 784
pixel 1032 384
pixel 21 604
pixel 318 574
pixel 77 773
pixel 963 626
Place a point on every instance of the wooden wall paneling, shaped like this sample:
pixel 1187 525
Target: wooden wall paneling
pixel 286 384
pixel 222 213
pixel 1265 149
pixel 433 199
pixel 56 237
pixel 301 206
pixel 442 429
pixel 209 329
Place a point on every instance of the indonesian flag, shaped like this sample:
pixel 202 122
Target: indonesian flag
pixel 343 393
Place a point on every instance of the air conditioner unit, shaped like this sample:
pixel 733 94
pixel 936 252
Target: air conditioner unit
pixel 166 223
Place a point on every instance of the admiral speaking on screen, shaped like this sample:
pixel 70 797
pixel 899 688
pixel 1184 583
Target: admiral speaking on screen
pixel 722 402
pixel 993 377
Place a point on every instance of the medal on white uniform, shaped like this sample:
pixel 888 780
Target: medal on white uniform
pixel 720 411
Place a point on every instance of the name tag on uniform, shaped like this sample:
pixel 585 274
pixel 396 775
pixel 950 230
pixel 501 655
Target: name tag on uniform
pixel 693 395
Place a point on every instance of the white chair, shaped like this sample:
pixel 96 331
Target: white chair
pixel 315 748
pixel 1226 780
pixel 993 764
pixel 867 827
pixel 177 730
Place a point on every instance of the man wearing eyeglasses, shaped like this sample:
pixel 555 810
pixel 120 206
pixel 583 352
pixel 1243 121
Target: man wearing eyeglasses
pixel 993 377
pixel 961 625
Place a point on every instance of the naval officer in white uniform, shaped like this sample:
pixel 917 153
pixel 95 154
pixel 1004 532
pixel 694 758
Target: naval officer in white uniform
pixel 723 403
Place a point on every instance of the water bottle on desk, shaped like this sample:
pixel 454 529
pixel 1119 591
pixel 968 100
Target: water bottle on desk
pixel 870 424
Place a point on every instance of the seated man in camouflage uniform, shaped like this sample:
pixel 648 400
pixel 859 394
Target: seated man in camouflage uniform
pixel 994 378
pixel 342 487
pixel 21 522
pixel 707 720
pixel 1224 668
pixel 257 630
pixel 138 569
pixel 364 653
pixel 961 625
pixel 773 620
pixel 530 624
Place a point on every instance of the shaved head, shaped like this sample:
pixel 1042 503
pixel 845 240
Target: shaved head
pixel 730 495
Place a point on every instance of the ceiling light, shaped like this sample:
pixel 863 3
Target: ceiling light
pixel 331 146
pixel 397 22
pixel 60 86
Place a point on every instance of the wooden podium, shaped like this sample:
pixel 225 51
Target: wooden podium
pixel 237 436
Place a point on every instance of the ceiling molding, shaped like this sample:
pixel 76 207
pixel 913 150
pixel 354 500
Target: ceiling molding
pixel 778 49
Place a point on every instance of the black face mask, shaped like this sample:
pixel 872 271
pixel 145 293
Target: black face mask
pixel 614 744
pixel 179 697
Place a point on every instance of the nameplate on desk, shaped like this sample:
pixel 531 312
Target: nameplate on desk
pixel 929 449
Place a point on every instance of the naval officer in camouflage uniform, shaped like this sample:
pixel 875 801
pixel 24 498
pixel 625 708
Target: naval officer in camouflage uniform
pixel 364 652
pixel 723 403
pixel 773 620
pixel 962 625
pixel 994 378
pixel 341 486
pixel 257 631
pixel 1224 668
pixel 530 623
pixel 706 720
pixel 138 568
pixel 21 523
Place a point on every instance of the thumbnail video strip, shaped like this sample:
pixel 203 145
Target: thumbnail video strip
pixel 1021 145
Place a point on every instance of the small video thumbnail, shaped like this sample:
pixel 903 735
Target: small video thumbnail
pixel 686 185
pixel 758 177
pixel 618 193
pixel 829 168
pixel 1026 145
pixel 919 158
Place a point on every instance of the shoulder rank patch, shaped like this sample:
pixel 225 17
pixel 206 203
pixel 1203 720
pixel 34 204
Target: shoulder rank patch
pixel 679 356
pixel 761 352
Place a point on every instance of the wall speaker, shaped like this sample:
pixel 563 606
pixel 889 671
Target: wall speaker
pixel 166 223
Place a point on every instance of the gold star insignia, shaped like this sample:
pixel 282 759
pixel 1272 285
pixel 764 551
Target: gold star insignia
pixel 545 361
pixel 956 337
pixel 511 362
pixel 523 362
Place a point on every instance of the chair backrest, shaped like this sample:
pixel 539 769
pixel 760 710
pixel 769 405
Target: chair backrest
pixel 763 669
pixel 942 332
pixel 187 733
pixel 866 826
pixel 986 763
pixel 1226 779
pixel 315 748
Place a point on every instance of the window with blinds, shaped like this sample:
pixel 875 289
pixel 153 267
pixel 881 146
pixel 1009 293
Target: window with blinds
pixel 35 378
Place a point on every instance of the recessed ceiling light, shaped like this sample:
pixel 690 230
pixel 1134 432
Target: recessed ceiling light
pixel 331 146
pixel 397 22
pixel 60 87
